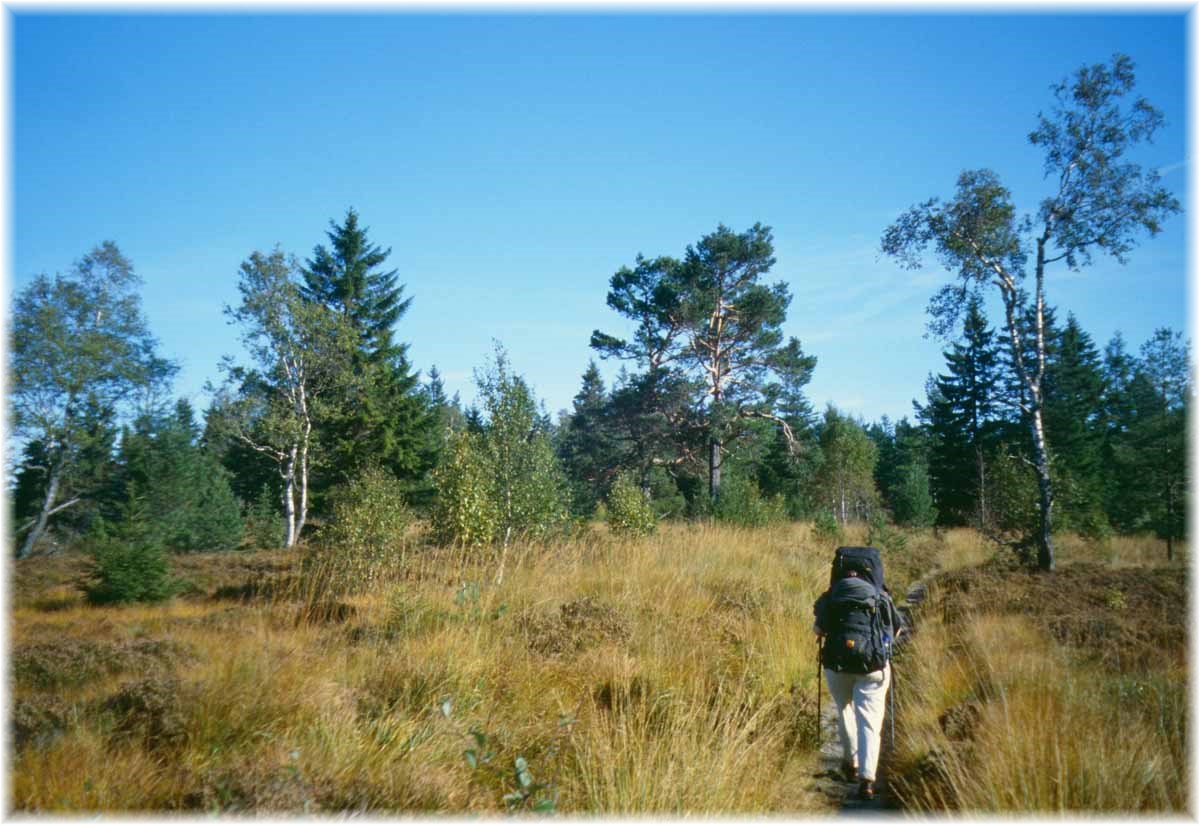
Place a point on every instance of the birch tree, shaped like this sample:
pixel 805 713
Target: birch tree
pixel 846 477
pixel 79 344
pixel 1098 202
pixel 301 353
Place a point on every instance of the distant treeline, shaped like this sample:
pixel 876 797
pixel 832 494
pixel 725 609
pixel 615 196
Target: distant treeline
pixel 1029 428
pixel 329 394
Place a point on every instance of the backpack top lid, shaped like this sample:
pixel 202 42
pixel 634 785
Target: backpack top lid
pixel 866 561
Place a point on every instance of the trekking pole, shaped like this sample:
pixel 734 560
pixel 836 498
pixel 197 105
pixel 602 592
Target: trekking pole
pixel 818 687
pixel 892 703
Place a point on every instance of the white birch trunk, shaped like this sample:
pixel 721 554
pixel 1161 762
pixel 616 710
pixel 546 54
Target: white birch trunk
pixel 289 500
pixel 303 515
pixel 39 527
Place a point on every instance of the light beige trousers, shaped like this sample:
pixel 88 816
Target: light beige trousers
pixel 860 699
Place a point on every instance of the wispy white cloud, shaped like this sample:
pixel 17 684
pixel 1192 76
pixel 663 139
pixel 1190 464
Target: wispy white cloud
pixel 1172 167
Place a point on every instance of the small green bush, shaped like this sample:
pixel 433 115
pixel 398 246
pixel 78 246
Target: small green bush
pixel 741 503
pixel 264 524
pixel 501 479
pixel 131 563
pixel 826 528
pixel 912 500
pixel 464 512
pixel 367 529
pixel 1014 491
pixel 628 510
pixel 885 536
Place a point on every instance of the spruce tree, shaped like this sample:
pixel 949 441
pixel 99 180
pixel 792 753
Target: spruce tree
pixel 587 444
pixel 902 470
pixel 131 562
pixel 384 419
pixel 1074 388
pixel 962 416
pixel 187 496
pixel 1117 411
pixel 1154 448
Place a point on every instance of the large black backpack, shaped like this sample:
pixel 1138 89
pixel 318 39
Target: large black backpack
pixel 865 561
pixel 855 635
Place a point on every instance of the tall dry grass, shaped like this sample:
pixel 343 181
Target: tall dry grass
pixel 998 715
pixel 671 674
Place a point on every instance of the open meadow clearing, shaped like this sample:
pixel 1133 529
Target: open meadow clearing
pixel 672 674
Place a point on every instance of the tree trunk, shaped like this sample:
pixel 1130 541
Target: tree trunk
pixel 1170 500
pixel 39 527
pixel 714 470
pixel 303 515
pixel 289 501
pixel 981 468
pixel 1033 383
pixel 1045 496
pixel 1040 453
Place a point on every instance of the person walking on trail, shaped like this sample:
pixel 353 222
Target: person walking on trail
pixel 857 622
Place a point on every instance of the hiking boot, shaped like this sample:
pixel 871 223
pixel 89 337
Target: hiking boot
pixel 849 772
pixel 866 789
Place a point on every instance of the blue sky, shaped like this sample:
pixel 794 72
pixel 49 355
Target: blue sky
pixel 513 162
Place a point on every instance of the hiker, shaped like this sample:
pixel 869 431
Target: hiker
pixel 857 622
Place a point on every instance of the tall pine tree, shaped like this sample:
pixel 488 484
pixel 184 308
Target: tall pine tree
pixel 1073 389
pixel 1153 451
pixel 962 414
pixel 587 443
pixel 386 420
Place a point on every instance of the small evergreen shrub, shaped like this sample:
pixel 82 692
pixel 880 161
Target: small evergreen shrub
pixel 1078 510
pixel 628 511
pixel 741 503
pixel 264 523
pixel 886 537
pixel 912 500
pixel 1014 491
pixel 214 521
pixel 131 563
pixel 826 529
pixel 668 499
